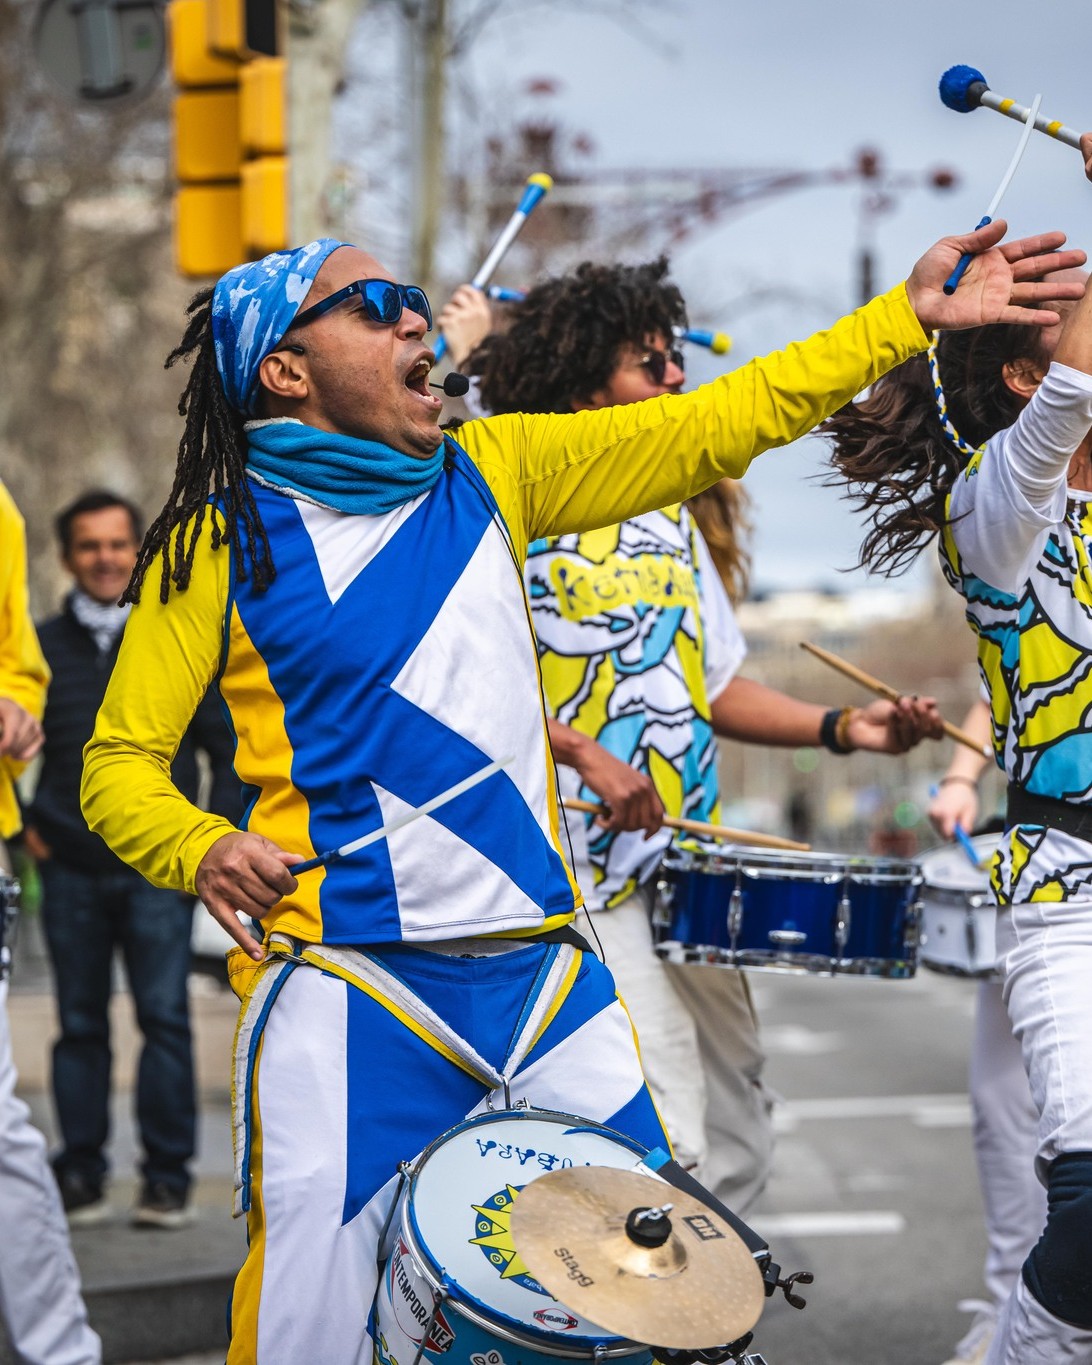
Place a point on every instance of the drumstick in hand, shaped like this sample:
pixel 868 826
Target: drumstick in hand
pixel 732 836
pixel 883 689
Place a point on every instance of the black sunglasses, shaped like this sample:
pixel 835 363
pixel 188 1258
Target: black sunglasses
pixel 655 362
pixel 383 302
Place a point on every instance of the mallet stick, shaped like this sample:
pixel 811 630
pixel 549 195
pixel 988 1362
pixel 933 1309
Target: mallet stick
pixel 883 689
pixel 952 282
pixel 964 88
pixel 537 187
pixel 725 832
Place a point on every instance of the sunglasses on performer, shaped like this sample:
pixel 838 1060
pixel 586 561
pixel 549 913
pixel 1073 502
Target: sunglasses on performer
pixel 383 302
pixel 656 362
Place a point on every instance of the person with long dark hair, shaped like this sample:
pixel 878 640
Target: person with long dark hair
pixel 354 586
pixel 986 445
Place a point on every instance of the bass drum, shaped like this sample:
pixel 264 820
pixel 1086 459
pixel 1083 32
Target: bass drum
pixel 958 914
pixel 454 1290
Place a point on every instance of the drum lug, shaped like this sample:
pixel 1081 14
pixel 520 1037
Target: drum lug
pixel 787 938
pixel 911 940
pixel 661 906
pixel 844 921
pixel 735 915
pixel 970 929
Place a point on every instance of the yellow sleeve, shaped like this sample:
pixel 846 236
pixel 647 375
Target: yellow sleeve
pixel 555 474
pixel 169 655
pixel 24 673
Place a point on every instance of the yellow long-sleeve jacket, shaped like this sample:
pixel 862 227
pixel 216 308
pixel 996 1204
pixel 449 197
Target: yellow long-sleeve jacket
pixel 24 674
pixel 393 656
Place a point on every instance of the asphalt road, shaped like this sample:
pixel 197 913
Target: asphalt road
pixel 874 1186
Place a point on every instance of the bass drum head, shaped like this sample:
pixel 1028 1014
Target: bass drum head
pixel 455 1232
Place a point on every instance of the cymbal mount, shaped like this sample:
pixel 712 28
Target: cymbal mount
pixel 649 1227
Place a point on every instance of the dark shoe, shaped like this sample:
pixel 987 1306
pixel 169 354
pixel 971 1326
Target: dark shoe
pixel 162 1206
pixel 83 1199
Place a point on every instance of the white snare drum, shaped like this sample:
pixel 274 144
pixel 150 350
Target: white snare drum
pixel 454 1281
pixel 958 915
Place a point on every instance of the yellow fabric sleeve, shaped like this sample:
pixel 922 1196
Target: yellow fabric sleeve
pixel 24 673
pixel 169 655
pixel 555 474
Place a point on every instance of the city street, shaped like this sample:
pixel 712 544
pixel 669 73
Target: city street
pixel 874 1187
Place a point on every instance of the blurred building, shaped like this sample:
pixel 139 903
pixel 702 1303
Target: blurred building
pixel 864 802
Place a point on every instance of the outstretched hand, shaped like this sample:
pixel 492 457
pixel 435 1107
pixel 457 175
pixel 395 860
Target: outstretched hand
pixel 1001 283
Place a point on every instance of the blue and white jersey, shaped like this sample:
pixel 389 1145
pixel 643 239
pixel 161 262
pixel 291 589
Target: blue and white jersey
pixel 391 659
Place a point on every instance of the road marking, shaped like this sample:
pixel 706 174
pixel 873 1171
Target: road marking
pixel 793 1041
pixel 867 1224
pixel 925 1111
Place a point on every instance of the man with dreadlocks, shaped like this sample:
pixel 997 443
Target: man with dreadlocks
pixel 640 654
pixel 354 585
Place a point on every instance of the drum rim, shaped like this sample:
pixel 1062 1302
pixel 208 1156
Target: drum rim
pixel 988 844
pixel 472 1308
pixel 741 854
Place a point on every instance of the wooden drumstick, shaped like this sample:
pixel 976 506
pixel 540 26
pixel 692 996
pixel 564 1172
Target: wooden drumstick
pixel 883 689
pixel 732 836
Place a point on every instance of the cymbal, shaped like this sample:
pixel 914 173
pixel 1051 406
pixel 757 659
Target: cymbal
pixel 590 1235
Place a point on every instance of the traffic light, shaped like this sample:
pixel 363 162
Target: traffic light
pixel 230 134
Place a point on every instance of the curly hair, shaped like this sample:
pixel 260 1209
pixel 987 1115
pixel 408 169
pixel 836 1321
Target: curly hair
pixel 211 459
pixel 566 335
pixel 891 450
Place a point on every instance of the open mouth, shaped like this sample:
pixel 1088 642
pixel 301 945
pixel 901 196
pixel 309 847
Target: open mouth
pixel 417 379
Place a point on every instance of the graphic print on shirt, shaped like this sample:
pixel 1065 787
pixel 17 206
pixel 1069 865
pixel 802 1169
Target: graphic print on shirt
pixel 1035 657
pixel 622 653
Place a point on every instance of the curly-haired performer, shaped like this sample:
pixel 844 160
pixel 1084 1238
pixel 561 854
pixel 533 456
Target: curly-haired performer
pixel 354 586
pixel 988 443
pixel 640 654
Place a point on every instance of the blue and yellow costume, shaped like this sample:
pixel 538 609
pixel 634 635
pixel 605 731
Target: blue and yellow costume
pixel 392 656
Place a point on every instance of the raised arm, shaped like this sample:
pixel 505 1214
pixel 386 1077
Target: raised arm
pixel 575 472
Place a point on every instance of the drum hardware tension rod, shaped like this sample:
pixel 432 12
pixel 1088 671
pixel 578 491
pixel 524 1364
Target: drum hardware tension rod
pixel 883 689
pixel 729 835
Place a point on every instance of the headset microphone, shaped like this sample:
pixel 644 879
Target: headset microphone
pixel 454 385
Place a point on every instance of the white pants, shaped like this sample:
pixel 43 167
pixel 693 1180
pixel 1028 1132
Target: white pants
pixel 39 1283
pixel 1045 950
pixel 1005 1140
pixel 700 1052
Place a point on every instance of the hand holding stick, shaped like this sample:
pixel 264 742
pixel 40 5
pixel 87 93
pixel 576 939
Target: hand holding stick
pixel 883 689
pixel 732 836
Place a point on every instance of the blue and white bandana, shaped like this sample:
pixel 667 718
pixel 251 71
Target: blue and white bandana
pixel 252 308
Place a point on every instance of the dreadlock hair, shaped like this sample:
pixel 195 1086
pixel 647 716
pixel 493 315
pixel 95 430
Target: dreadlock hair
pixel 722 516
pixel 565 337
pixel 211 459
pixel 897 454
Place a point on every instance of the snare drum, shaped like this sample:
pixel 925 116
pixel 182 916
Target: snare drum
pixel 820 913
pixel 454 1280
pixel 958 915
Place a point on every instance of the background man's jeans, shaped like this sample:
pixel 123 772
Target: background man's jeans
pixel 86 915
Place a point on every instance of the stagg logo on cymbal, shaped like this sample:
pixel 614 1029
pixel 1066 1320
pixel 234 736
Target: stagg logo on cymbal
pixel 567 1259
pixel 703 1228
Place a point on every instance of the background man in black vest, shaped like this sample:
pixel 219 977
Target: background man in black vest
pixel 93 903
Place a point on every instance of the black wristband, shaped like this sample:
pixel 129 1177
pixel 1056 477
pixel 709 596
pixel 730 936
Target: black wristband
pixel 828 732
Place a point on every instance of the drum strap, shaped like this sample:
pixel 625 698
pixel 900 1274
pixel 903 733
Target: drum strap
pixel 1028 808
pixel 366 972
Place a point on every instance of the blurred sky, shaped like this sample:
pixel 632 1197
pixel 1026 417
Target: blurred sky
pixel 798 84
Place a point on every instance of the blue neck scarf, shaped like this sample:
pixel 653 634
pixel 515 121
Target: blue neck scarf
pixel 341 472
